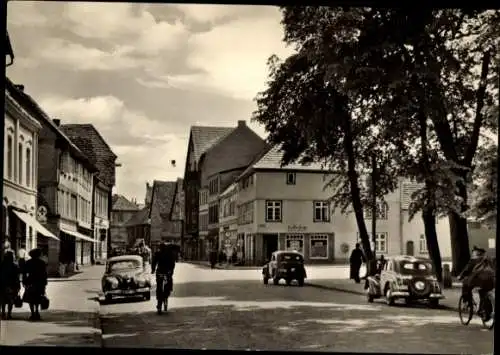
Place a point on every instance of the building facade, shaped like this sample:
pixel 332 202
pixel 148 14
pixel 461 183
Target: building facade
pixel 287 208
pixel 163 227
pixel 90 141
pixel 228 240
pixel 20 204
pixel 121 212
pixel 212 165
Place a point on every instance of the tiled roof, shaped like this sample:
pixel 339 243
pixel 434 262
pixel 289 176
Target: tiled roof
pixel 161 207
pixel 89 140
pixel 204 137
pixel 139 218
pixel 120 203
pixel 272 160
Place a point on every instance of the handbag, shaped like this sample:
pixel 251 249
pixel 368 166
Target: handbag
pixel 44 302
pixel 18 301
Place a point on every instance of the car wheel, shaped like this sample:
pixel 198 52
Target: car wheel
pixel 266 280
pixel 147 296
pixel 389 299
pixel 276 280
pixel 108 298
pixel 301 282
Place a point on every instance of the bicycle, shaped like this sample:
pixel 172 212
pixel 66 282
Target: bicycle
pixel 165 289
pixel 467 309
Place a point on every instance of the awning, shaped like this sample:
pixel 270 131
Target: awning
pixel 30 221
pixel 78 235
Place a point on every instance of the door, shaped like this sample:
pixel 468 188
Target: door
pixel 270 245
pixel 410 248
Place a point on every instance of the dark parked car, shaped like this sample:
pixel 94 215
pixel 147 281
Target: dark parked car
pixel 405 277
pixel 125 276
pixel 287 265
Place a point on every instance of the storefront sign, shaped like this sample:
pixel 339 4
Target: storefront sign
pixel 297 228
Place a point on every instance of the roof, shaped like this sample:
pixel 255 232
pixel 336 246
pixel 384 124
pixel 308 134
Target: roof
pixel 163 197
pixel 203 137
pixel 229 189
pixel 121 203
pixel 139 218
pixel 272 160
pixel 125 258
pixel 88 139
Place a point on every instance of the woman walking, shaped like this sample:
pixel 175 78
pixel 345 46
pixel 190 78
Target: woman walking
pixel 35 281
pixel 9 284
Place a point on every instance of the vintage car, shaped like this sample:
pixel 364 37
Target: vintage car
pixel 125 275
pixel 287 265
pixel 405 277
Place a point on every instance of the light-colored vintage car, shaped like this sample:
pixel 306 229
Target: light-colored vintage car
pixel 405 277
pixel 125 275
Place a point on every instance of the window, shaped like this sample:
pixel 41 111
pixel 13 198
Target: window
pixel 290 178
pixel 321 211
pixel 381 243
pixel 10 160
pixel 73 207
pixel 213 214
pixel 67 204
pixel 213 186
pixel 422 244
pixel 318 247
pixel 28 167
pixel 20 165
pixel 204 222
pixel 295 243
pixel 273 211
pixel 382 211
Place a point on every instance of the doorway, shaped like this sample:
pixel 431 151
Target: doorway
pixel 270 245
pixel 410 248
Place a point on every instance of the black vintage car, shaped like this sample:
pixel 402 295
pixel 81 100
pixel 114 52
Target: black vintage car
pixel 287 265
pixel 125 275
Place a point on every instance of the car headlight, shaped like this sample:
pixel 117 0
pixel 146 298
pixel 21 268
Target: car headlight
pixel 112 282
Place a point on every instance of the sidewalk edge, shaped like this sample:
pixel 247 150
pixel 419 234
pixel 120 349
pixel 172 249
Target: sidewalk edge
pixel 362 293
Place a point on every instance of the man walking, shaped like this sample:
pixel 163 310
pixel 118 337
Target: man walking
pixel 356 260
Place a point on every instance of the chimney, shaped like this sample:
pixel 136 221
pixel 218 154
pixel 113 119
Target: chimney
pixel 19 87
pixel 147 185
pixel 242 123
pixel 57 122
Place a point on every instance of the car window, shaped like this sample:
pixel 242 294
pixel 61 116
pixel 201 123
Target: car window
pixel 416 268
pixel 124 265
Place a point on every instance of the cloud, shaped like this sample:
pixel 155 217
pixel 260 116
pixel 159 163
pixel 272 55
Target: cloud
pixel 145 148
pixel 217 13
pixel 25 14
pixel 234 57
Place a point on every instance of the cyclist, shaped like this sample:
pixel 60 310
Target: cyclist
pixel 164 265
pixel 478 273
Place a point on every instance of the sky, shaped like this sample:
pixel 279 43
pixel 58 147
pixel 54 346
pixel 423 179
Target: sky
pixel 142 74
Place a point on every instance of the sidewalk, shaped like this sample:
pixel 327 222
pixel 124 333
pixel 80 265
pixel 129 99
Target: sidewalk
pixel 71 320
pixel 222 266
pixel 349 286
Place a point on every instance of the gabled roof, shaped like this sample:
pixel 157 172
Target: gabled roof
pixel 203 137
pixel 139 218
pixel 121 203
pixel 88 139
pixel 270 159
pixel 163 197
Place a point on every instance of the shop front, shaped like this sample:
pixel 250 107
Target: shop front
pixel 101 231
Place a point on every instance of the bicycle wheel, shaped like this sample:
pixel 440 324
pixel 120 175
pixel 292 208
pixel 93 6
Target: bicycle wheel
pixel 465 310
pixel 489 305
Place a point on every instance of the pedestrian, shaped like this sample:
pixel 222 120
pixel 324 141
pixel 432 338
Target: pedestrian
pixel 6 246
pixel 356 260
pixel 10 284
pixel 35 282
pixel 213 258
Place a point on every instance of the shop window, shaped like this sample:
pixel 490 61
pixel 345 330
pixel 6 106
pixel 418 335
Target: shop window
pixel 318 248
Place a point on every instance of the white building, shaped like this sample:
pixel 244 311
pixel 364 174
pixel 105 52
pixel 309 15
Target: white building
pixel 287 208
pixel 19 205
pixel 228 223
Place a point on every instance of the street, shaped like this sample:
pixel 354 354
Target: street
pixel 229 309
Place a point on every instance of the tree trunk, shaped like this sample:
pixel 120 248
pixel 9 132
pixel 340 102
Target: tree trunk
pixel 432 242
pixel 460 253
pixel 354 186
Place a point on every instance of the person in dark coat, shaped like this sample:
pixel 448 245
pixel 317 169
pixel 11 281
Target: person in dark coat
pixel 356 260
pixel 10 283
pixel 35 282
pixel 213 258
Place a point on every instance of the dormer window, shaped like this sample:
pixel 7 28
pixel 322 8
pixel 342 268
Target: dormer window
pixel 290 178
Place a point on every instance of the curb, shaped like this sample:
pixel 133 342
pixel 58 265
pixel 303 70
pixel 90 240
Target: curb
pixel 361 293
